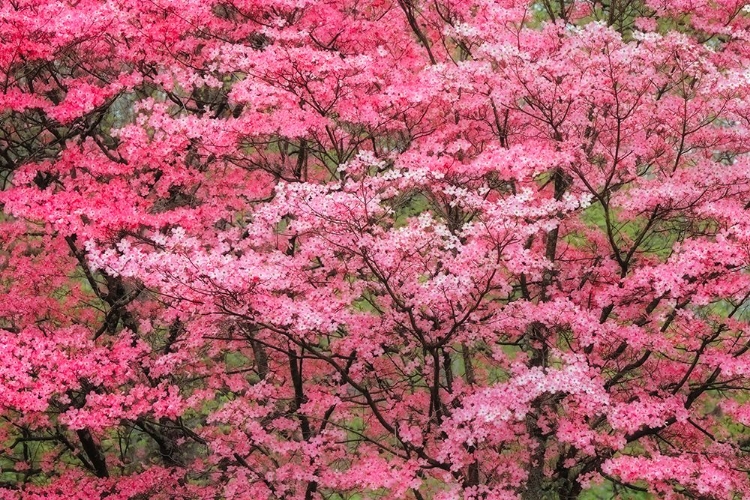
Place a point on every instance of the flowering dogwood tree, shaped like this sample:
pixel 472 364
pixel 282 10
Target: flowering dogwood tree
pixel 344 249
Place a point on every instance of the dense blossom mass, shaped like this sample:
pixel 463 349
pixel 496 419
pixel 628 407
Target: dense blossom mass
pixel 349 249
